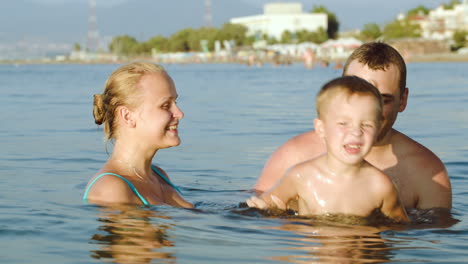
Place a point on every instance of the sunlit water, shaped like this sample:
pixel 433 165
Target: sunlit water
pixel 235 116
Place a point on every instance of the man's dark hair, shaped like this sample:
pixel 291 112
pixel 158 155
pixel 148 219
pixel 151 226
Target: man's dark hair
pixel 379 56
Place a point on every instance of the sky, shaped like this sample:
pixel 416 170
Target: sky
pixel 66 21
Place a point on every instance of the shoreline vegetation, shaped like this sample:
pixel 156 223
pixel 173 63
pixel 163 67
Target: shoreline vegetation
pixel 235 43
pixel 250 60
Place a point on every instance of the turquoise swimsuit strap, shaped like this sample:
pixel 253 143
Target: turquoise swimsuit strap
pixel 143 200
pixel 155 169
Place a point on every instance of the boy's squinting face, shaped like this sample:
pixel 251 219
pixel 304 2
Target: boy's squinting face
pixel 349 125
pixel 387 82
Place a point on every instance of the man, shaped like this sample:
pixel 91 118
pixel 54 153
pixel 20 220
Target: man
pixel 419 175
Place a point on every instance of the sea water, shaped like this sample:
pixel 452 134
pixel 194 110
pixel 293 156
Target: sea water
pixel 235 117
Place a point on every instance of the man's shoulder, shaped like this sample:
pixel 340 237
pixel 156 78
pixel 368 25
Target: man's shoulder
pixel 303 142
pixel 302 147
pixel 412 151
pixel 425 172
pixel 418 162
pixel 305 146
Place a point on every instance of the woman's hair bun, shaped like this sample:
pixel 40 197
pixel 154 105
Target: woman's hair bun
pixel 99 109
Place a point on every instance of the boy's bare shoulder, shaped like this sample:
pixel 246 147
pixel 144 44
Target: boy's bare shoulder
pixel 307 168
pixel 381 182
pixel 297 149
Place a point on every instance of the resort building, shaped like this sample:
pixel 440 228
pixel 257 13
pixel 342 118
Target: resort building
pixel 442 23
pixel 279 17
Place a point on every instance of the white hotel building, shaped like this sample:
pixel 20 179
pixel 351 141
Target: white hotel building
pixel 278 17
pixel 442 23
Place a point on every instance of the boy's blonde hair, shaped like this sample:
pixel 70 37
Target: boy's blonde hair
pixel 349 85
pixel 121 89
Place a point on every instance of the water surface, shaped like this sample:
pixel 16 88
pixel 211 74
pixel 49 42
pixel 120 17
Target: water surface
pixel 235 116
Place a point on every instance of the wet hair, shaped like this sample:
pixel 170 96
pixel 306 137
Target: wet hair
pixel 348 85
pixel 121 89
pixel 379 56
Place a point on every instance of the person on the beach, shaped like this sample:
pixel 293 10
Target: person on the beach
pixel 309 58
pixel 139 112
pixel 418 173
pixel 340 181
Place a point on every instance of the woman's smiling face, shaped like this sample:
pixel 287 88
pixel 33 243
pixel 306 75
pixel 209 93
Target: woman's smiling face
pixel 158 114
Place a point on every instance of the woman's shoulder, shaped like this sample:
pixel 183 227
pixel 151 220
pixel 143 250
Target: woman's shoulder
pixel 110 188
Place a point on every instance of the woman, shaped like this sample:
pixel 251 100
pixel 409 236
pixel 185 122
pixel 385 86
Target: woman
pixel 139 112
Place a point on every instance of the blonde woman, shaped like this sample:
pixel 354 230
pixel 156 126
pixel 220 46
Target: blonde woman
pixel 140 115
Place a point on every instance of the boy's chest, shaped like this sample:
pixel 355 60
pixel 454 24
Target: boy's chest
pixel 352 200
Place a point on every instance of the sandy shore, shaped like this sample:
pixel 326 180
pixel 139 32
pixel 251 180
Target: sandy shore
pixel 436 57
pixel 439 57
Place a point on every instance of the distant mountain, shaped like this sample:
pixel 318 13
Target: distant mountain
pixel 25 19
pixel 67 21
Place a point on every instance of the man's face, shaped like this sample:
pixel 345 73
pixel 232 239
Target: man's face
pixel 388 84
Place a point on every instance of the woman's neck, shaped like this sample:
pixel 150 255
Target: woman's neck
pixel 134 155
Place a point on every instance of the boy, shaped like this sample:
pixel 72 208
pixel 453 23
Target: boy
pixel 340 181
pixel 419 175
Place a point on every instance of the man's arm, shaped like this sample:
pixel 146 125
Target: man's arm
pixel 419 174
pixel 298 149
pixel 435 190
pixel 429 178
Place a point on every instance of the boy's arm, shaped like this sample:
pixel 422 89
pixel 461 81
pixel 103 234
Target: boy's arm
pixel 392 207
pixel 276 166
pixel 305 146
pixel 279 195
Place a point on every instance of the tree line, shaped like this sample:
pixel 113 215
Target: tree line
pixel 405 28
pixel 204 38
